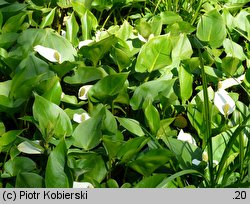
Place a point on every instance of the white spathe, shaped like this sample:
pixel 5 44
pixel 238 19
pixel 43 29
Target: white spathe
pixel 186 137
pixel 224 102
pixel 83 92
pixel 85 43
pixel 82 185
pixel 196 162
pixel 227 83
pixel 80 117
pixel 48 53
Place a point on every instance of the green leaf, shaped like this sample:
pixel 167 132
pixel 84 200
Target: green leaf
pixel 8 39
pixel 153 118
pixel 111 183
pixel 184 152
pixel 112 143
pixel 96 51
pixel 48 19
pixel 47 38
pixel 53 121
pixel 7 139
pixel 28 180
pixel 132 126
pixel 88 134
pixel 125 31
pixel 120 57
pixel 17 165
pixel 182 49
pixel 155 54
pixel 186 82
pixel 151 181
pixel 2 129
pixel 108 88
pixel 147 163
pixel 53 90
pixel 30 72
pixel 13 24
pixel 233 49
pixel 165 182
pixel 91 165
pixel 130 148
pixel 83 75
pixel 170 17
pixel 72 29
pixel 88 23
pixel 230 65
pixel 55 176
pixel 150 90
pixel 211 29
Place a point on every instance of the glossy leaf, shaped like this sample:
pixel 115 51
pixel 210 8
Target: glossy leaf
pixel 150 90
pixel 84 75
pixel 7 139
pixel 155 54
pixel 14 23
pixel 55 176
pixel 147 163
pixel 132 126
pixel 88 23
pixel 153 118
pixel 184 152
pixel 108 88
pixel 53 121
pixel 151 181
pixel 186 82
pixel 53 90
pixel 29 180
pixel 211 29
pixel 129 149
pixel 91 164
pixel 88 134
pixel 48 19
pixel 96 51
pixel 18 165
pixel 72 29
pixel 47 38
pixel 233 49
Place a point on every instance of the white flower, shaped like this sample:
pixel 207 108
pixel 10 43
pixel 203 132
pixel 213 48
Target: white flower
pixel 186 137
pixel 82 185
pixel 196 162
pixel 141 38
pixel 63 33
pixel 224 102
pixel 230 82
pixel 85 43
pixel 80 117
pixel 83 92
pixel 48 53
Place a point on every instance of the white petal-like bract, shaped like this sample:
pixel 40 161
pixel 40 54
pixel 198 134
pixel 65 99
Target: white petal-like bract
pixel 227 83
pixel 224 102
pixel 85 43
pixel 82 185
pixel 80 117
pixel 83 92
pixel 48 53
pixel 186 137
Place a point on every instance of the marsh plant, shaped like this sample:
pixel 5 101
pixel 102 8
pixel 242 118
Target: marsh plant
pixel 124 93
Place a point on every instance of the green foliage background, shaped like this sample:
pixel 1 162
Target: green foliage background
pixel 155 68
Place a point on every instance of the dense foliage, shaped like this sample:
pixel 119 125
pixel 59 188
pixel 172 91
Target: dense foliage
pixel 125 93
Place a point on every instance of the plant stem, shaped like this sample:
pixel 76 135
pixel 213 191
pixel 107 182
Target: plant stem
pixel 207 121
